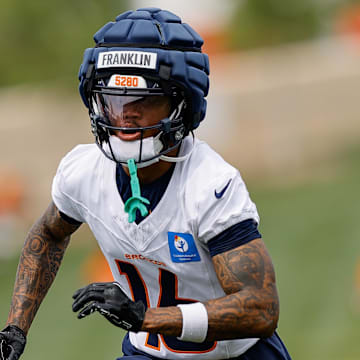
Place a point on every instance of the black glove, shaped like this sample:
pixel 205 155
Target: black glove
pixel 12 343
pixel 109 300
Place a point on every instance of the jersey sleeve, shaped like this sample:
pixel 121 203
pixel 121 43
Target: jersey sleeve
pixel 62 191
pixel 237 235
pixel 224 203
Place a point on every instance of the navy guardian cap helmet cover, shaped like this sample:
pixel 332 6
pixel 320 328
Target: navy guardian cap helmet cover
pixel 156 45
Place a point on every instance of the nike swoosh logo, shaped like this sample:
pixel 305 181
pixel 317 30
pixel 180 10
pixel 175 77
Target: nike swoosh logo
pixel 219 195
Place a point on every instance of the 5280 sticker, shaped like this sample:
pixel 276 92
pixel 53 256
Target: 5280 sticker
pixel 128 81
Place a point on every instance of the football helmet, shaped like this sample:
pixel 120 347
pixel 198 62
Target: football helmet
pixel 144 59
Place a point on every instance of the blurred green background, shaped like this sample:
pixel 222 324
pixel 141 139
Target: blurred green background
pixel 45 40
pixel 291 127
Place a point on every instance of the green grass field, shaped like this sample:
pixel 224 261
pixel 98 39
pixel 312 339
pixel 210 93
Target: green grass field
pixel 312 231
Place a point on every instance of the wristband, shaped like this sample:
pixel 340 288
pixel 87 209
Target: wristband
pixel 194 322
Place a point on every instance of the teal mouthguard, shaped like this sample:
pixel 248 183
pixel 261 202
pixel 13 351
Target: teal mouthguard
pixel 136 201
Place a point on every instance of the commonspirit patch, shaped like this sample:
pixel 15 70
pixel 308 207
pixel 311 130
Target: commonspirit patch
pixel 182 247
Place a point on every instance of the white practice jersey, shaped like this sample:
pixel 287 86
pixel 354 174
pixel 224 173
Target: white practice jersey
pixel 164 260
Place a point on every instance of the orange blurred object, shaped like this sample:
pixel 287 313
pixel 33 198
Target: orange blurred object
pixel 215 41
pixel 96 268
pixel 11 192
pixel 349 20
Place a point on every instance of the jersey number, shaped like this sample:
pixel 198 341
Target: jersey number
pixel 167 297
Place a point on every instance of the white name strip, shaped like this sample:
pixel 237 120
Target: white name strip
pixel 137 59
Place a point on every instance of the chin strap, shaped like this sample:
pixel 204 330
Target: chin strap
pixel 175 159
pixel 136 201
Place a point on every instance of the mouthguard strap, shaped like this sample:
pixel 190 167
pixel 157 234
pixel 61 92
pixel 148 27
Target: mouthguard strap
pixel 136 201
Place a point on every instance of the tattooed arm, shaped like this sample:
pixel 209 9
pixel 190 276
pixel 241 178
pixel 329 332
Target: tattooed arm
pixel 39 262
pixel 250 307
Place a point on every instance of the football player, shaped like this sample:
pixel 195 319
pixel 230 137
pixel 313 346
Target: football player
pixel 192 276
